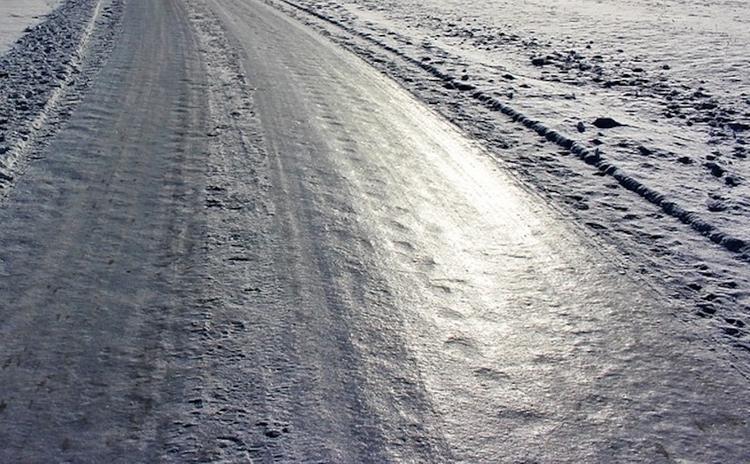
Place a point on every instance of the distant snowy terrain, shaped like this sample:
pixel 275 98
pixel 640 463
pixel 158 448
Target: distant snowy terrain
pixel 665 177
pixel 17 15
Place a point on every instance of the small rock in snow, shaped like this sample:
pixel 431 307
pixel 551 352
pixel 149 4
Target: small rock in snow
pixel 731 181
pixel 606 123
pixel 645 151
pixel 716 170
pixel 738 126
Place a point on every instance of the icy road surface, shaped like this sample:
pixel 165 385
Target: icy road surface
pixel 17 15
pixel 530 78
pixel 246 244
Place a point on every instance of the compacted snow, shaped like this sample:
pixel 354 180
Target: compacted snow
pixel 17 15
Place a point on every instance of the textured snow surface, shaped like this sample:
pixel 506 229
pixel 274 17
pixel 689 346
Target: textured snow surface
pixel 17 15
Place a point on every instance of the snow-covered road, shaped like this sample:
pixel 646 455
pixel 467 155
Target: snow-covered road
pixel 246 244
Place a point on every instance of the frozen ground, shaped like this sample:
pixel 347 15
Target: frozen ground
pixel 531 78
pixel 224 238
pixel 17 15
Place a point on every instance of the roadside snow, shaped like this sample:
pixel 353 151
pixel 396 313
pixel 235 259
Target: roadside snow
pixel 44 73
pixel 17 15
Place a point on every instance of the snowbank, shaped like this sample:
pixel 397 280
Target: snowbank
pixel 17 15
